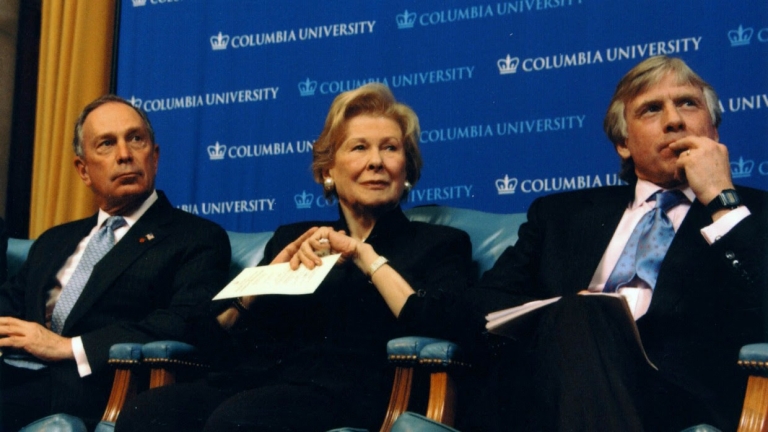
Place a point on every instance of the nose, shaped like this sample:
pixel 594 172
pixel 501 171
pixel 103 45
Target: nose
pixel 124 152
pixel 673 121
pixel 375 162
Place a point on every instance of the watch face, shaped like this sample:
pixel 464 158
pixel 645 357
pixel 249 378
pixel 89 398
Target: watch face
pixel 729 198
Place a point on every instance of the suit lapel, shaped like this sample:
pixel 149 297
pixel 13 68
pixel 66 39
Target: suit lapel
pixel 595 226
pixel 688 239
pixel 148 232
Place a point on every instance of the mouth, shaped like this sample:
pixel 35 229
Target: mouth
pixel 128 176
pixel 376 184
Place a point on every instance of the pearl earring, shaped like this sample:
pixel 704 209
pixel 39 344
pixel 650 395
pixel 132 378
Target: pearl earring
pixel 328 183
pixel 408 186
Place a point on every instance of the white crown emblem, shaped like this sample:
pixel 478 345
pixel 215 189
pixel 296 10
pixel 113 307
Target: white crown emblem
pixel 303 201
pixel 137 3
pixel 219 42
pixel 308 87
pixel 136 102
pixel 406 19
pixel 217 151
pixel 508 65
pixel 742 168
pixel 740 36
pixel 506 185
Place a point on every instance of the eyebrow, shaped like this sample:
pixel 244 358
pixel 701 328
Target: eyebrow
pixel 684 95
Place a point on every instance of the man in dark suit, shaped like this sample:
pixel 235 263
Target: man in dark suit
pixel 164 267
pixel 580 367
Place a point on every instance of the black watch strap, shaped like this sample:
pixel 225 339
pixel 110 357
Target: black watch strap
pixel 728 199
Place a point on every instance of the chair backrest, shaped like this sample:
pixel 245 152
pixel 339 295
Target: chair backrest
pixel 491 233
pixel 17 254
pixel 247 250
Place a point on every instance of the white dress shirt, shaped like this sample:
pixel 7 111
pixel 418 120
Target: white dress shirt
pixel 639 294
pixel 65 273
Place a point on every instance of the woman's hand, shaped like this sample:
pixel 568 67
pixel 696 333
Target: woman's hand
pixel 288 252
pixel 323 242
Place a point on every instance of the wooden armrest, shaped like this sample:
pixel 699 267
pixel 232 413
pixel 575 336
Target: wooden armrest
pixel 124 357
pixel 754 415
pixel 442 356
pixel 165 358
pixel 404 354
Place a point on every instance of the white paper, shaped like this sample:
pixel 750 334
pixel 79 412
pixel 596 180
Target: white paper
pixel 278 279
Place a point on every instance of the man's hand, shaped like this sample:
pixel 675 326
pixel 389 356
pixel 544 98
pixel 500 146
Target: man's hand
pixel 34 339
pixel 703 163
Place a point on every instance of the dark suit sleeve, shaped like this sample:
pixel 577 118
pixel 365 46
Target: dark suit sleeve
pixel 447 270
pixel 743 255
pixel 513 278
pixel 199 271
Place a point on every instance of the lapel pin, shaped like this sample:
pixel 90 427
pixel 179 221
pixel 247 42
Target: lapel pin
pixel 148 237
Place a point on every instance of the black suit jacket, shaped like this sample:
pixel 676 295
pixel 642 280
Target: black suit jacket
pixel 146 288
pixel 708 300
pixel 335 339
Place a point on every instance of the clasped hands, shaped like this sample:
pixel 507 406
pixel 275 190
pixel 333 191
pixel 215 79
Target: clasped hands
pixel 35 339
pixel 315 243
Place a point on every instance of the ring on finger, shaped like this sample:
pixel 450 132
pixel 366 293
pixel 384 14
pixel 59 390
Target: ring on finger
pixel 323 241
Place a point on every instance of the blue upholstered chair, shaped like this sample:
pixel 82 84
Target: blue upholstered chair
pixel 490 234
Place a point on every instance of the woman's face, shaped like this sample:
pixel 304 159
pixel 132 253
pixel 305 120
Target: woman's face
pixel 369 166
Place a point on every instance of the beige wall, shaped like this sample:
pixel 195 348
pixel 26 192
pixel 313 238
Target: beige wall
pixel 9 17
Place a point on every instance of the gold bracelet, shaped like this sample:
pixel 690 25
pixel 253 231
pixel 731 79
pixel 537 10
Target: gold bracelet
pixel 376 264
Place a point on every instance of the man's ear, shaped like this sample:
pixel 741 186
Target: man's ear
pixel 82 170
pixel 622 150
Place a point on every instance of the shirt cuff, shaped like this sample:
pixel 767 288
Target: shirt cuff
pixel 722 226
pixel 83 367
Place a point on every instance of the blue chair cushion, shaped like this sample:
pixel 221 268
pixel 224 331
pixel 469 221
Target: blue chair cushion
pixel 412 422
pixel 701 428
pixel 406 349
pixel 442 353
pixel 159 351
pixel 125 353
pixel 754 357
pixel 56 423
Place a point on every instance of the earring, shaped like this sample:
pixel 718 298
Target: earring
pixel 408 186
pixel 328 184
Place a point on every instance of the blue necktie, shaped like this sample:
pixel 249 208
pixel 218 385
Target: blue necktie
pixel 98 246
pixel 648 244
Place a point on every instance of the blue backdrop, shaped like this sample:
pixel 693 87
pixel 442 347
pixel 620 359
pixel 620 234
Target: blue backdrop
pixel 510 94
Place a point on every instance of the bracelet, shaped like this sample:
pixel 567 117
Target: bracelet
pixel 240 306
pixel 376 264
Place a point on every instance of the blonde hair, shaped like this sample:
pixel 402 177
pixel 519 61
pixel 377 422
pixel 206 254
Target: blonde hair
pixel 370 99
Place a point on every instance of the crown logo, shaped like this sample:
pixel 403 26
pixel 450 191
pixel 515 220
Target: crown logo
pixel 508 65
pixel 740 36
pixel 506 185
pixel 303 201
pixel 136 102
pixel 308 87
pixel 405 20
pixel 219 42
pixel 742 168
pixel 137 3
pixel 217 151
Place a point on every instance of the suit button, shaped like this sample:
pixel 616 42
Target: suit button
pixel 736 264
pixel 730 255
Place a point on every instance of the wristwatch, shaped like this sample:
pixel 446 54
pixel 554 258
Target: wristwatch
pixel 728 199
